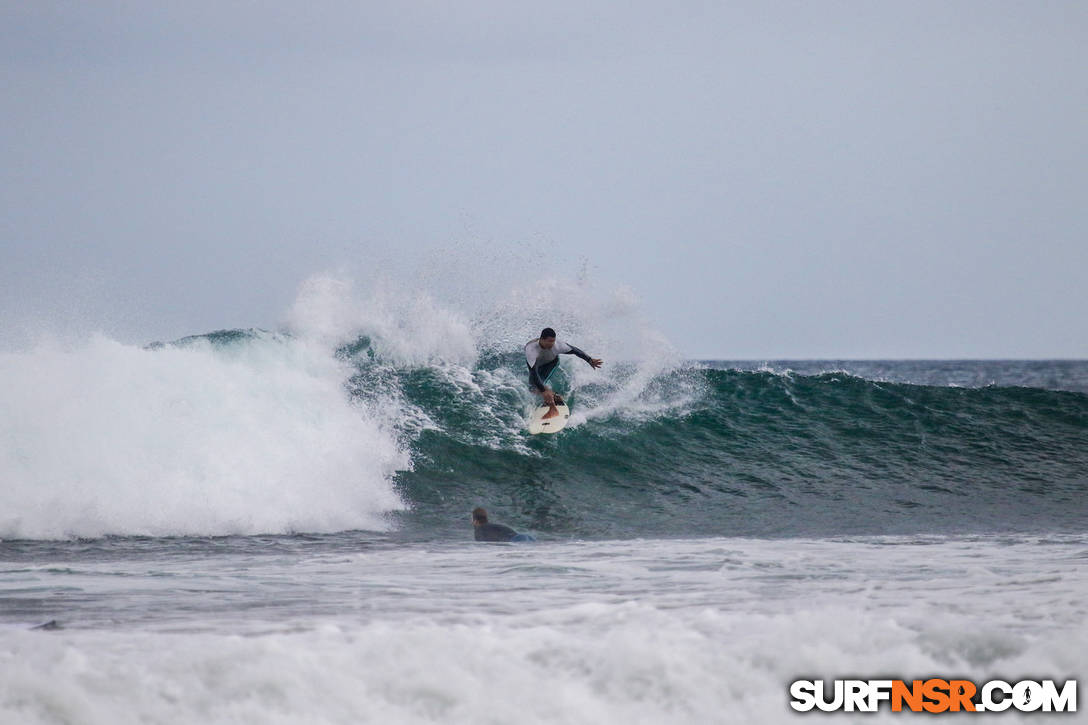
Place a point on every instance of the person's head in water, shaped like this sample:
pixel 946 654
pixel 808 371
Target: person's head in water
pixel 479 516
pixel 547 338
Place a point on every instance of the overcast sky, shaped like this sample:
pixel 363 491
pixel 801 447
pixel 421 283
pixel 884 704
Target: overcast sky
pixel 770 179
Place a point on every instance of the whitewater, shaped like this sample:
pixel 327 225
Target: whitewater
pixel 272 526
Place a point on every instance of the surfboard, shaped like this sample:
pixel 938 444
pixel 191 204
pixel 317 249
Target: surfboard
pixel 538 424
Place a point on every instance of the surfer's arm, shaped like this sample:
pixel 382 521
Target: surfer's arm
pixel 531 353
pixel 535 380
pixel 580 353
pixel 568 349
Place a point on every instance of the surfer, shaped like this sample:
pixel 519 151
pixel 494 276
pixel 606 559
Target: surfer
pixel 494 532
pixel 542 357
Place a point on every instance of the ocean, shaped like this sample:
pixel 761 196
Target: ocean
pixel 249 526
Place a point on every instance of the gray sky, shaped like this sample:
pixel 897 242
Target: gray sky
pixel 771 179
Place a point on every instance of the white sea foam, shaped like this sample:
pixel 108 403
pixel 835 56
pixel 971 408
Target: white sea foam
pixel 588 664
pixel 258 436
pixel 642 632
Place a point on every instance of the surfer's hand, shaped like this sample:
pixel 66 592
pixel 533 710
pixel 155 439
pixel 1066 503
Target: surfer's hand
pixel 596 362
pixel 549 397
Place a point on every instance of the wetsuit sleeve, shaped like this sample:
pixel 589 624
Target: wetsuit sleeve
pixel 493 532
pixel 534 379
pixel 576 351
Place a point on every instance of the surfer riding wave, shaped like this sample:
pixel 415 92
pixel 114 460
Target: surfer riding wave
pixel 542 357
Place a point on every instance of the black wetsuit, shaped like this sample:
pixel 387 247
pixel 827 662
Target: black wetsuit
pixel 494 532
pixel 542 362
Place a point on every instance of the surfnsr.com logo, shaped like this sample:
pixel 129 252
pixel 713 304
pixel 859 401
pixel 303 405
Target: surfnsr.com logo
pixel 933 695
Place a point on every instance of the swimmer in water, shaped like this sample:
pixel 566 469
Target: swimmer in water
pixel 542 357
pixel 494 532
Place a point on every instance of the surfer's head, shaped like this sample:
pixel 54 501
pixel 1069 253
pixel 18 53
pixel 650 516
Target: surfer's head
pixel 547 338
pixel 479 516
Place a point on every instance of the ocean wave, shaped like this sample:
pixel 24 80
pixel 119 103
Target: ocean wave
pixel 389 409
pixel 698 451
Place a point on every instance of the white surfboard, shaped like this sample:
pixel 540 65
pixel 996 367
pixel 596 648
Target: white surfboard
pixel 539 424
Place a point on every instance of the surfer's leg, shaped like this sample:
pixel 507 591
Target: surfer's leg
pixel 550 401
